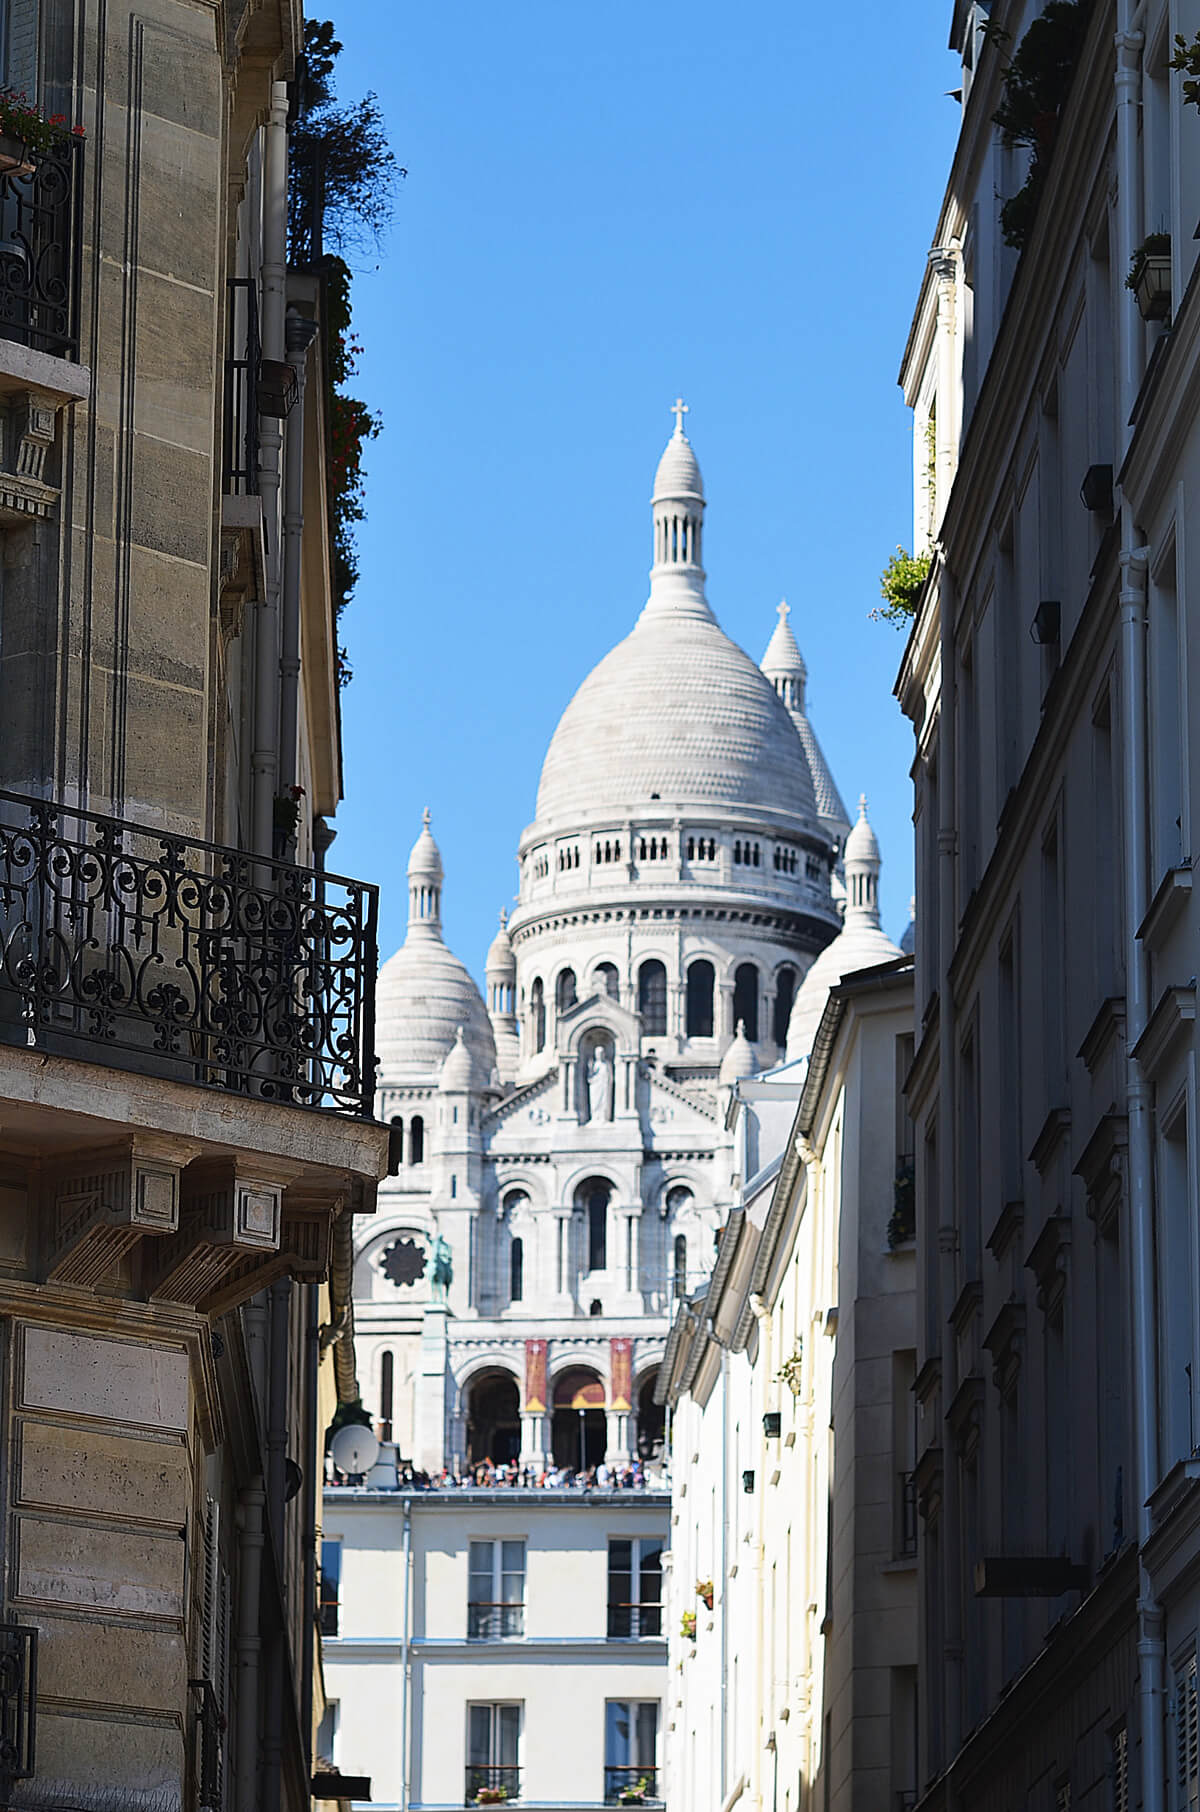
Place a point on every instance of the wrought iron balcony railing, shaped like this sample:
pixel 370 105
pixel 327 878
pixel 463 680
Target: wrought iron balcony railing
pixel 491 1784
pixel 242 354
pixel 41 241
pixel 175 957
pixel 495 1622
pixel 630 1784
pixel 18 1702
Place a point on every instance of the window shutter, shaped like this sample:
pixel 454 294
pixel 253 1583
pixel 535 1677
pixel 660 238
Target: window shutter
pixel 21 45
pixel 214 1651
pixel 1187 1734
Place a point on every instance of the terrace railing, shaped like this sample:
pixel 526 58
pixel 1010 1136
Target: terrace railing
pixel 165 954
pixel 41 249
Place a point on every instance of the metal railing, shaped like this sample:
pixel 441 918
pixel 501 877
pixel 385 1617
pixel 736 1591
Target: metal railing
pixel 491 1784
pixel 41 249
pixel 18 1702
pixel 210 1748
pixel 243 351
pixel 622 1785
pixel 906 1515
pixel 491 1622
pixel 180 958
pixel 643 1619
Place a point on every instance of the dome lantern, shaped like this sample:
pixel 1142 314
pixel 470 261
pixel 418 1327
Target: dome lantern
pixel 677 576
pixel 425 876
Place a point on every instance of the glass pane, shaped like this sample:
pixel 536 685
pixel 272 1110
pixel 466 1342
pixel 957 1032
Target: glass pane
pixel 616 1733
pixel 479 1734
pixel 620 1566
pixel 651 1572
pixel 647 1734
pixel 508 1718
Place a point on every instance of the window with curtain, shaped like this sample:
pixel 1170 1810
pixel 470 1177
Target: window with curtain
pixel 493 1748
pixel 496 1589
pixel 634 1586
pixel 630 1747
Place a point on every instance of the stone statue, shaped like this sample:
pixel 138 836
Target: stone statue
pixel 443 1269
pixel 599 1091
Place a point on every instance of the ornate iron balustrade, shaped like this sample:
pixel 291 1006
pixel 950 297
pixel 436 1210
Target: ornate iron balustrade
pixel 242 354
pixel 175 957
pixel 41 249
pixel 18 1701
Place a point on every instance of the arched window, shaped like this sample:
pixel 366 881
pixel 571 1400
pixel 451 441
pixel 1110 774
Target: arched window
pixel 700 1000
pixel 593 1197
pixel 537 1013
pixel 516 1270
pixel 564 991
pixel 416 1140
pixel 652 998
pixel 745 999
pixel 785 994
pixel 681 1264
pixel 387 1373
pixel 608 981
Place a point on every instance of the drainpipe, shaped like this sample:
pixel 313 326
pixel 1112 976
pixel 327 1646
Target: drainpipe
pixel 1132 601
pixel 300 333
pixel 277 1525
pixel 762 1315
pixel 249 1643
pixel 404 1657
pixel 723 1709
pixel 947 1233
pixel 312 1487
pixel 264 759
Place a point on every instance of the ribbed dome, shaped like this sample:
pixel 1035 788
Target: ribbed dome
pixel 862 845
pixel 739 1061
pixel 501 962
pixel 861 944
pixel 678 473
pixel 675 712
pixel 424 995
pixel 458 1072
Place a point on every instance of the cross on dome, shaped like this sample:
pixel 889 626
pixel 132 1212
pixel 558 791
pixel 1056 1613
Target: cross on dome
pixel 783 610
pixel 679 409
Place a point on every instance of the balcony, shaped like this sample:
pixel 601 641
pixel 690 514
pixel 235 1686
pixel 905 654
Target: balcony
pixel 41 221
pixel 173 957
pixel 491 1784
pixel 495 1622
pixel 242 355
pixel 631 1786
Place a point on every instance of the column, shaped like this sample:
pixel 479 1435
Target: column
pixel 617 1415
pixel 725 1026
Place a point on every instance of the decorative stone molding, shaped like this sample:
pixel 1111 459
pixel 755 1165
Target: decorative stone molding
pixel 1108 1024
pixel 304 1251
pixel 1048 1261
pixel 99 1204
pixel 227 1211
pixel 1102 1168
pixel 1009 1223
pixel 1005 1341
pixel 1174 1013
pixel 30 423
pixel 964 1418
pixel 1054 1130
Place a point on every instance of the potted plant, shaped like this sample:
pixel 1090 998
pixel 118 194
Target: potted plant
pixel 1150 277
pixel 687 1626
pixel 491 1796
pixel 634 1795
pixel 704 1590
pixel 900 585
pixel 24 129
pixel 791 1372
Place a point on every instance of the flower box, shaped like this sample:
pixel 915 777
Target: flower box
pixel 14 157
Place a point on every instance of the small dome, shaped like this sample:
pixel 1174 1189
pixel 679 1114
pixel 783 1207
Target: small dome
pixel 783 654
pixel 458 1071
pixel 678 473
pixel 739 1061
pixel 501 962
pixel 425 993
pixel 862 845
pixel 425 860
pixel 908 942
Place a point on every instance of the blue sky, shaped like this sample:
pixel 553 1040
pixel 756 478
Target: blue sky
pixel 606 207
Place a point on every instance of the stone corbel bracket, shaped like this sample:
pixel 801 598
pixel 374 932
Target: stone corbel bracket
pixel 231 1209
pixel 34 390
pixel 304 1251
pixel 98 1204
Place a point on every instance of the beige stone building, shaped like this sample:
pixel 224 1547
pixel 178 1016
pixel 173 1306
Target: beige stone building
pixel 1051 679
pixel 186 1065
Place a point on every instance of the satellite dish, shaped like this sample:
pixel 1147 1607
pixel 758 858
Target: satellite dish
pixel 354 1449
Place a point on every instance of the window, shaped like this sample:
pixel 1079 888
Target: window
pixel 493 1743
pixel 745 999
pixel 596 1204
pixel 680 1257
pixel 652 998
pixel 608 981
pixel 327 1731
pixel 700 1000
pixel 331 1587
pixel 537 1013
pixel 496 1589
pixel 785 994
pixel 630 1747
pixel 516 1270
pixel 634 1586
pixel 564 991
pixel 416 1140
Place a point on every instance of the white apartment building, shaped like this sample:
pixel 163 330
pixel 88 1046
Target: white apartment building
pixel 496 1643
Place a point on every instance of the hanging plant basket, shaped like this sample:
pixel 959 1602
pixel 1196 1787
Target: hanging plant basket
pixel 14 157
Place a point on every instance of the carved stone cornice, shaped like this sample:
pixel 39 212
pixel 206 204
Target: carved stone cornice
pixel 1005 1341
pixel 1102 1168
pixel 1009 1223
pixel 1048 1261
pixel 1054 1130
pixel 964 1418
pixel 29 427
pixel 304 1251
pixel 98 1204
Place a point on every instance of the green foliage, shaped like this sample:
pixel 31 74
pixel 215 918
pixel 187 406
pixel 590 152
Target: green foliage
pixel 1036 85
pixel 900 585
pixel 340 194
pixel 1187 61
pixel 1154 245
pixel 347 1415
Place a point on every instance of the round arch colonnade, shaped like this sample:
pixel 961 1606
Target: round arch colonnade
pixel 570 1411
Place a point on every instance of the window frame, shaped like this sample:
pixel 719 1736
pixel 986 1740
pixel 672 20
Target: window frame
pixel 640 1610
pixel 509 1627
pixel 619 1776
pixel 329 1604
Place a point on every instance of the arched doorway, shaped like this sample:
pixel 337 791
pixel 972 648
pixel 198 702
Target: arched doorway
pixel 493 1418
pixel 579 1427
pixel 651 1419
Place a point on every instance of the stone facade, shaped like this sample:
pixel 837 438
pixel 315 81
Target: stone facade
pixel 176 1178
